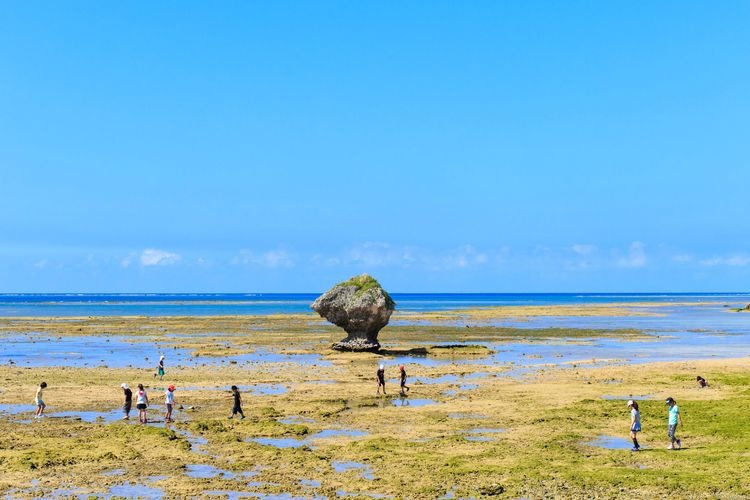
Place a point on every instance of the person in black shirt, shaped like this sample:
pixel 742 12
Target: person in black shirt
pixel 128 401
pixel 701 382
pixel 403 380
pixel 381 378
pixel 237 408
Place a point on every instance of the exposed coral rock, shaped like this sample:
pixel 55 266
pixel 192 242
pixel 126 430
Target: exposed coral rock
pixel 361 307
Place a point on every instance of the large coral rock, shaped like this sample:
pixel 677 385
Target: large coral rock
pixel 361 307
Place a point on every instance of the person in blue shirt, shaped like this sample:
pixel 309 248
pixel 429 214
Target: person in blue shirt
pixel 675 419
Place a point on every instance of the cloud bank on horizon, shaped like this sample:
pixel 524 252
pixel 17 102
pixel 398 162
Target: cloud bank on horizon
pixel 495 146
pixel 499 269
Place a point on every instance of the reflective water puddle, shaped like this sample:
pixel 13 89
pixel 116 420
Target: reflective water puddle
pixel 480 434
pixel 205 471
pixel 253 389
pixel 295 419
pixel 610 443
pixel 466 415
pixel 644 397
pixel 280 442
pixel 126 490
pixel 135 490
pixel 89 416
pixel 335 433
pixel 11 409
pixel 117 351
pixel 367 472
pixel 309 483
pixel 114 472
pixel 406 401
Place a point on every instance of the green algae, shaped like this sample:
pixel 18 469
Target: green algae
pixel 413 452
pixel 365 283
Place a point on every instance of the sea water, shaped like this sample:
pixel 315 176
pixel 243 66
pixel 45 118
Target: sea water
pixel 213 304
pixel 709 329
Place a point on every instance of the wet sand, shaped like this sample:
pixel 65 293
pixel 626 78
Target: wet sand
pixel 547 422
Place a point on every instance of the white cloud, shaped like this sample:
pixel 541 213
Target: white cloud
pixel 735 260
pixel 271 259
pixel 636 256
pixel 322 260
pixel 738 260
pixel 585 257
pixel 682 258
pixel 460 258
pixel 41 264
pixel 156 257
pixel 380 255
pixel 583 250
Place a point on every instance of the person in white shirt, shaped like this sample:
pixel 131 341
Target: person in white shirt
pixel 141 403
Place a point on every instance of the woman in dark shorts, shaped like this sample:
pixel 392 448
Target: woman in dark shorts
pixel 141 403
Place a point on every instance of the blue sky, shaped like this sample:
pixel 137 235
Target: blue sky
pixel 440 146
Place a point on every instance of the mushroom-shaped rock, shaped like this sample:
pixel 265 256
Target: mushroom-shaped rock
pixel 361 307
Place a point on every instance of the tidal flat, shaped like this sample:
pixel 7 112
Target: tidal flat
pixel 492 410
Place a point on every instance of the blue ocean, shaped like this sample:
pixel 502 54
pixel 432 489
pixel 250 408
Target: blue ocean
pixel 209 304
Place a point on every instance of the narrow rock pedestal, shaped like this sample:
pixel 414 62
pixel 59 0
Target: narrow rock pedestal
pixel 361 307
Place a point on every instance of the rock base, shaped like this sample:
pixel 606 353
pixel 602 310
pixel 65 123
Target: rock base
pixel 356 345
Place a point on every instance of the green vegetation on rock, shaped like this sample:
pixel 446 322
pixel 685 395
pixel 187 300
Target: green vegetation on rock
pixel 364 283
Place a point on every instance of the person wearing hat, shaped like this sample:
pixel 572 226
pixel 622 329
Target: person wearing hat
pixel 160 368
pixel 128 401
pixel 380 374
pixel 169 401
pixel 635 424
pixel 675 419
